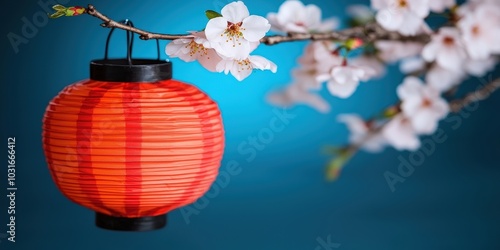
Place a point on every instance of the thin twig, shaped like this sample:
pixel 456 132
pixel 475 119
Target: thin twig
pixel 110 23
pixel 367 33
pixel 478 95
pixel 455 106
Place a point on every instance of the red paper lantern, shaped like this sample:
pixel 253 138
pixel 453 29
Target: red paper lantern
pixel 131 143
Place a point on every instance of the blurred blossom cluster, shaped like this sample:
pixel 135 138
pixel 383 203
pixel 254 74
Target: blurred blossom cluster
pixel 467 44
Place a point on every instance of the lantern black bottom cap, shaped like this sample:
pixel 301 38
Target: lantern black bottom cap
pixel 130 224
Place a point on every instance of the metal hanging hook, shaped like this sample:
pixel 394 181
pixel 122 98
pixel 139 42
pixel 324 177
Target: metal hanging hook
pixel 130 41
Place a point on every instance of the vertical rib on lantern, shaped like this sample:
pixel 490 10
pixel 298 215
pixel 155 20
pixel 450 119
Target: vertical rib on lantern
pixel 133 149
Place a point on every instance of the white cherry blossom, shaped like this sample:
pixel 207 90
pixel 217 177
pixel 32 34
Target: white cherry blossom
pixel 294 16
pixel 400 134
pixel 479 68
pixel 412 64
pixel 194 47
pixel 343 80
pixel 403 16
pixel 235 33
pixel 447 49
pixel 241 69
pixel 305 77
pixel 442 79
pixel 371 62
pixel 437 77
pixel 393 51
pixel 473 4
pixel 422 105
pixel 296 94
pixel 326 56
pixel 481 30
pixel 360 134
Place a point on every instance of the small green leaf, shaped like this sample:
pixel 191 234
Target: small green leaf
pixel 337 164
pixel 58 7
pixel 212 14
pixel 57 14
pixel 391 112
pixel 333 150
pixel 334 167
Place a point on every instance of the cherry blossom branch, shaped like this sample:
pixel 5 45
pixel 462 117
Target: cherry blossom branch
pixel 145 35
pixel 478 95
pixel 367 33
pixel 347 152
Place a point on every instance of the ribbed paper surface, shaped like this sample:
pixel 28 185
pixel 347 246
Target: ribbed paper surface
pixel 133 149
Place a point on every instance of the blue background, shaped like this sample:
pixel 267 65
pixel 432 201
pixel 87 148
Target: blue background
pixel 280 199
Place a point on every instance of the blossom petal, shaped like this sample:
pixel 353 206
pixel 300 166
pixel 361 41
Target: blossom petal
pixel 411 86
pixel 174 48
pixel 323 77
pixel 254 28
pixel 240 72
pixel 412 105
pixel 210 60
pixel 439 6
pixel 180 48
pixel 413 64
pixel 477 50
pixel 443 79
pixel 273 20
pixel 400 134
pixel 237 48
pixel 390 20
pixel 295 94
pixel 313 100
pixel 424 121
pixel 451 58
pixel 371 65
pixel 312 15
pixel 289 10
pixel 342 90
pixel 306 78
pixel 411 24
pixel 215 29
pixel 293 27
pixel 224 65
pixel 342 74
pixel 235 12
pixel 441 108
pixel 374 143
pixel 378 4
pixel 279 98
pixel 317 102
pixel 479 68
pixel 259 62
pixel 420 7
pixel 430 52
pixel 329 24
pixel 354 123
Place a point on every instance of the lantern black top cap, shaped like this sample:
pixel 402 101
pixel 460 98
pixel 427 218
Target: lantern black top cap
pixel 128 69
